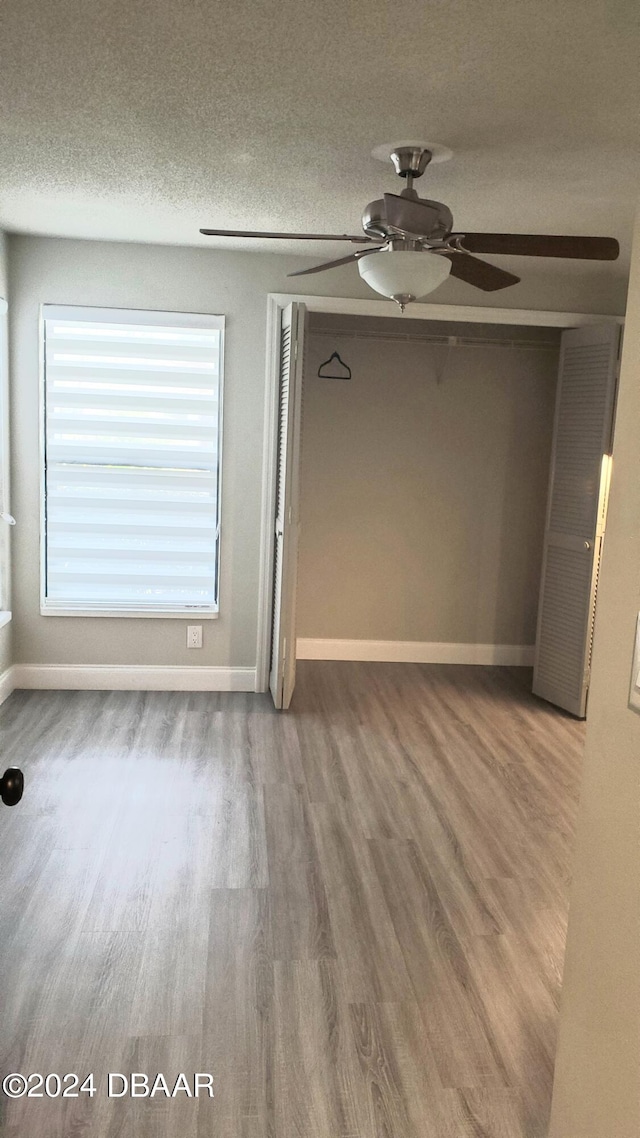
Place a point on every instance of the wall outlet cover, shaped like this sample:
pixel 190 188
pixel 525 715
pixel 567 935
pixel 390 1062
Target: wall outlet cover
pixel 194 636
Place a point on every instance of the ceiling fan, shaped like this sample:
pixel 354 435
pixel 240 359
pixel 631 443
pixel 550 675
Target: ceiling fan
pixel 419 247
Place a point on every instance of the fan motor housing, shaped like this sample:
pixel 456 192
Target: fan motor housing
pixel 373 219
pixel 375 224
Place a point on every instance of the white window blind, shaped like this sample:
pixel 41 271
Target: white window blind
pixel 132 460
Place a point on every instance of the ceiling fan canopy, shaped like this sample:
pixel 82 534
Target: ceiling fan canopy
pixel 418 246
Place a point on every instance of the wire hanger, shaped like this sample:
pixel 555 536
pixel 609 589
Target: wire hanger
pixel 339 364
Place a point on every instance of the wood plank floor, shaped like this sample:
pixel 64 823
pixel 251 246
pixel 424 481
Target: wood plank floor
pixel 352 915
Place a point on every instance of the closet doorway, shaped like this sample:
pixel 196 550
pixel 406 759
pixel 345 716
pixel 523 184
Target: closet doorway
pixel 413 519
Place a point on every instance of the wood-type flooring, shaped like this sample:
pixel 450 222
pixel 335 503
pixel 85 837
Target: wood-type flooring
pixel 352 914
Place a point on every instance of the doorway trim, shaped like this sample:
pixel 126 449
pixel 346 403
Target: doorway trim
pixel 347 306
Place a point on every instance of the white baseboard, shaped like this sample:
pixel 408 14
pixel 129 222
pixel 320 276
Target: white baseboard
pixel 7 683
pixel 415 652
pixel 96 677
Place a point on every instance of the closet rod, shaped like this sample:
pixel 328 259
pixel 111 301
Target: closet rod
pixel 447 341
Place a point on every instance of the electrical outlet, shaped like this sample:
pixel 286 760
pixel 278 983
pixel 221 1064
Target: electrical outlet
pixel 194 636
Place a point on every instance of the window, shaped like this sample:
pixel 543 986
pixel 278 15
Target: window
pixel 132 418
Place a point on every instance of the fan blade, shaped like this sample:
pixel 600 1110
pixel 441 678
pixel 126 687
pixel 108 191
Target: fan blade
pixel 479 273
pixel 287 236
pixel 541 245
pixel 334 264
pixel 417 218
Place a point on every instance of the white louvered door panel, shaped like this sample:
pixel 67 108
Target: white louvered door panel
pixel 283 656
pixel 576 514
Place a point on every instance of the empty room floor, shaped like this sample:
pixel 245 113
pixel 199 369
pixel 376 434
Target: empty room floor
pixel 352 915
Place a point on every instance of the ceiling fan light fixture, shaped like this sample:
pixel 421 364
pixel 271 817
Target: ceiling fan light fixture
pixel 404 275
pixel 414 245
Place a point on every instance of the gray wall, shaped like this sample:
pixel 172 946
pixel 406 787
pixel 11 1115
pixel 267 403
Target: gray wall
pixel 188 279
pixel 6 633
pixel 154 277
pixel 424 483
pixel 596 1089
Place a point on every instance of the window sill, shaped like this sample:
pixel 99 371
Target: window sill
pixel 5 617
pixel 119 614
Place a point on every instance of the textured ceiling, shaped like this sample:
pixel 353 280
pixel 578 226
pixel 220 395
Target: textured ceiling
pixel 145 119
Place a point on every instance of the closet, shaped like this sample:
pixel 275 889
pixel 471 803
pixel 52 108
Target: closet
pixel 419 509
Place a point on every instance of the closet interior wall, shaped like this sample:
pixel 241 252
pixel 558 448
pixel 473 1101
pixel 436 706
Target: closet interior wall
pixel 424 480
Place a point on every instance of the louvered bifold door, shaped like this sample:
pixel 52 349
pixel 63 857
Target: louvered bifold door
pixel 576 514
pixel 283 656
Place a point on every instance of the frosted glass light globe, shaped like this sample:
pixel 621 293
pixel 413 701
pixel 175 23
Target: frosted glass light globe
pixel 409 274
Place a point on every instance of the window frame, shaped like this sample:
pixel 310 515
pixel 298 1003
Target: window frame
pixel 124 316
